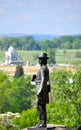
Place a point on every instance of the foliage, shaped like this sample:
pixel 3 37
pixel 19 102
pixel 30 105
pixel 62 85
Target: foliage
pixel 2 77
pixel 19 71
pixel 65 99
pixel 28 118
pixel 29 43
pixel 77 96
pixel 15 94
pixel 20 43
pixel 61 112
pixel 6 121
pixel 51 54
pixel 44 44
pixel 65 102
pixel 57 113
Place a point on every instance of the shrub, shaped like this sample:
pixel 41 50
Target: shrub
pixel 6 121
pixel 28 118
pixel 19 71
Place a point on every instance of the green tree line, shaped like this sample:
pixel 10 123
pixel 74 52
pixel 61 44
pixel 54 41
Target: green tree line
pixel 29 43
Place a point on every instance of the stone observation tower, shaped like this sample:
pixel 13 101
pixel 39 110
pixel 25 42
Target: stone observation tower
pixel 11 57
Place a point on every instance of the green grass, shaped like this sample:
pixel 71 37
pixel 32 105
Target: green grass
pixel 68 57
pixel 28 56
pixel 2 55
pixel 31 56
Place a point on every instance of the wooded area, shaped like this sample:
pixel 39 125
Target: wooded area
pixel 29 43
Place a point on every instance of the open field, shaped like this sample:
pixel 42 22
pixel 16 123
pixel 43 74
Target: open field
pixel 30 70
pixel 10 70
pixel 67 56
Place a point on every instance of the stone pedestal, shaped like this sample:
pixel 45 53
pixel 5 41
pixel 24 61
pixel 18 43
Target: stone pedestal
pixel 47 128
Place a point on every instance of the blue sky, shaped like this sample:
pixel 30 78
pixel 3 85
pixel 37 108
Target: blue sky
pixel 61 17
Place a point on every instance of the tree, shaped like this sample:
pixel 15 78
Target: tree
pixel 15 94
pixel 19 71
pixel 66 38
pixel 5 42
pixel 28 43
pixel 55 43
pixel 66 97
pixel 45 44
pixel 77 93
pixel 51 54
pixel 2 77
pixel 78 54
pixel 21 93
pixel 4 85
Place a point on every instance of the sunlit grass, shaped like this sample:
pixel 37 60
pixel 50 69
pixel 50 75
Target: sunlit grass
pixel 63 57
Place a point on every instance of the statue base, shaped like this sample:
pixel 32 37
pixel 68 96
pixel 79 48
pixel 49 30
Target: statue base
pixel 42 128
pixel 49 127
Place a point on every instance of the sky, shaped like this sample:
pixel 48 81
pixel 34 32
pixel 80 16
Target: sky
pixel 54 17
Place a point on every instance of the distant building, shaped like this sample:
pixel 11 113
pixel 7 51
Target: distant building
pixel 11 57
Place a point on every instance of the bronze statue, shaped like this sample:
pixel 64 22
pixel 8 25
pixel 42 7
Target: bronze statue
pixel 42 89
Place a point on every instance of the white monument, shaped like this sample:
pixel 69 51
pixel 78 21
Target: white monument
pixel 11 57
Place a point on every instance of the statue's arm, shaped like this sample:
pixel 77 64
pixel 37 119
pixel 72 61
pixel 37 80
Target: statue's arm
pixel 42 79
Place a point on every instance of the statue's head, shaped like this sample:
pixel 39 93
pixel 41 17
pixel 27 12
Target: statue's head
pixel 43 58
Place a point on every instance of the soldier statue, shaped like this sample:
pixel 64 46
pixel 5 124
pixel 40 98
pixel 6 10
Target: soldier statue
pixel 42 89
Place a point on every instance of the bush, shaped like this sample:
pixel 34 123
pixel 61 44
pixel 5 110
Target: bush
pixel 6 121
pixel 28 118
pixel 15 94
pixel 19 71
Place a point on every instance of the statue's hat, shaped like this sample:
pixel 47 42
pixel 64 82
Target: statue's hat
pixel 43 55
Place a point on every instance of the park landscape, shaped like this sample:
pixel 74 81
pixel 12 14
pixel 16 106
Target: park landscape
pixel 65 100
pixel 28 28
pixel 63 59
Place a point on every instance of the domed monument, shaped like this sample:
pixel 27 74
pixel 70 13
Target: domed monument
pixel 11 56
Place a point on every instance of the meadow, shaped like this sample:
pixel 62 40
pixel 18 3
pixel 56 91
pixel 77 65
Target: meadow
pixel 63 57
pixel 67 56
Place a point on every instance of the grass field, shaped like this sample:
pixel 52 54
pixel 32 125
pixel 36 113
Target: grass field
pixel 67 57
pixel 30 70
pixel 31 56
pixel 10 70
